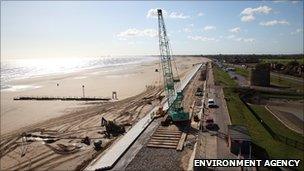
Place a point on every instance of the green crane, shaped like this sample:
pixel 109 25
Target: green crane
pixel 175 98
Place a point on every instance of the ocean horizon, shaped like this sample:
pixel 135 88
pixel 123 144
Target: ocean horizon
pixel 16 69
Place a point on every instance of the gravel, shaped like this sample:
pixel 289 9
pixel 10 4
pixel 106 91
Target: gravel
pixel 156 159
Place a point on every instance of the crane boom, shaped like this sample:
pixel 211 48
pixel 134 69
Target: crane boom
pixel 165 56
pixel 174 98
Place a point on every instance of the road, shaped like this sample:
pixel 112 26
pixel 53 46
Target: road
pixel 220 115
pixel 242 81
pixel 210 146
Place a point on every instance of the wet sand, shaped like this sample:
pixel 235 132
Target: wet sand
pixel 127 81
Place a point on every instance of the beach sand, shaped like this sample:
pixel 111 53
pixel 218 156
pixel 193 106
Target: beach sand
pixel 68 123
pixel 127 81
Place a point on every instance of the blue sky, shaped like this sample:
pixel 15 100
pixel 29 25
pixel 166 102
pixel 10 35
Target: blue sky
pixel 98 28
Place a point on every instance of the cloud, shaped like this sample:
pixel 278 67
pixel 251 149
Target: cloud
pixel 203 38
pixel 187 30
pixel 235 30
pixel 274 22
pixel 200 14
pixel 240 39
pixel 248 13
pixel 281 1
pixel 247 18
pixel 230 36
pixel 178 15
pixel 250 40
pixel 297 31
pixel 246 40
pixel 152 13
pixel 132 32
pixel 131 43
pixel 208 28
pixel 258 10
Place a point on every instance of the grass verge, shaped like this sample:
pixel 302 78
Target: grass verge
pixel 240 115
pixel 283 82
pixel 275 124
pixel 243 72
pixel 274 80
pixel 222 78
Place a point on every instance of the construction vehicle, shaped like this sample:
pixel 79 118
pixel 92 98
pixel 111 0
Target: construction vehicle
pixel 175 110
pixel 199 92
pixel 112 128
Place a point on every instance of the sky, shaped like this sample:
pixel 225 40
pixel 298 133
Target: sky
pixel 38 29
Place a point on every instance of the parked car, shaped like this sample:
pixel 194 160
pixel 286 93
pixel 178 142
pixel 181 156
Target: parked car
pixel 212 127
pixel 211 103
pixel 209 121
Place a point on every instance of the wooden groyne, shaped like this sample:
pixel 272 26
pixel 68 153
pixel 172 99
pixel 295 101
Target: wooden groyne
pixel 62 98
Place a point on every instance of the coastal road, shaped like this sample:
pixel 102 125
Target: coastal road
pixel 210 146
pixel 220 115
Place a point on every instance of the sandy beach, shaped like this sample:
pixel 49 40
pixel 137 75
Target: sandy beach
pixel 127 81
pixel 70 122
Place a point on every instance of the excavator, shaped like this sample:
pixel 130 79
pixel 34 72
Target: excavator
pixel 112 128
pixel 175 111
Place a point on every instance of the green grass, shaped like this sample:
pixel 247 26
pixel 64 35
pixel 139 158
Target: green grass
pixel 283 82
pixel 275 124
pixel 222 78
pixel 241 115
pixel 274 80
pixel 243 72
pixel 282 96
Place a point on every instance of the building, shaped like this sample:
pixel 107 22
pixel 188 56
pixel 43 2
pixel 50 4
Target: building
pixel 260 75
pixel 239 141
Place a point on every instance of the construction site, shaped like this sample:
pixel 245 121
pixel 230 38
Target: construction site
pixel 165 127
pixel 161 124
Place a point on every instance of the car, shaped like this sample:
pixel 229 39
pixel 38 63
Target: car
pixel 212 127
pixel 211 103
pixel 209 121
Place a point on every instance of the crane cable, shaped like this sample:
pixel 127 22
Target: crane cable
pixel 174 63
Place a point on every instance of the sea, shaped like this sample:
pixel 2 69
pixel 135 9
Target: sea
pixel 15 69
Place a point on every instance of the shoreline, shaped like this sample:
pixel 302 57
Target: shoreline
pixel 71 127
pixel 128 81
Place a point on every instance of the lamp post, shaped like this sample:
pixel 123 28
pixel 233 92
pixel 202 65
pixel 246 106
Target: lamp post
pixel 83 95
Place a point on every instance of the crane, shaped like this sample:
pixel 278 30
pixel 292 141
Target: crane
pixel 175 98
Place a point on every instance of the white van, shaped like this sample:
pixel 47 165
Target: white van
pixel 211 103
